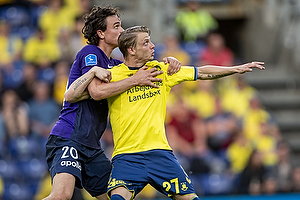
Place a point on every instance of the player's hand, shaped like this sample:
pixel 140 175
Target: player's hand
pixel 174 65
pixel 147 77
pixel 248 67
pixel 103 74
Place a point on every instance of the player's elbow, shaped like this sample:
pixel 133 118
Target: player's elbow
pixel 68 97
pixel 97 94
pixel 97 89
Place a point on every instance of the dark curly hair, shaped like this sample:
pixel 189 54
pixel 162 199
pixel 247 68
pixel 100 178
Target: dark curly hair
pixel 96 20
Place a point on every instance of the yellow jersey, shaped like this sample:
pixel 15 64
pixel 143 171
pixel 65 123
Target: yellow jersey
pixel 137 115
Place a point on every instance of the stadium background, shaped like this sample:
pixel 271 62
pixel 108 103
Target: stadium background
pixel 262 30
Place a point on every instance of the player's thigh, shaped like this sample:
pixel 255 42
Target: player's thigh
pixel 129 173
pixel 63 185
pixel 166 174
pixel 96 174
pixel 64 156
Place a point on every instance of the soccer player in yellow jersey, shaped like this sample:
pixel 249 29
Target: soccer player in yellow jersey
pixel 142 154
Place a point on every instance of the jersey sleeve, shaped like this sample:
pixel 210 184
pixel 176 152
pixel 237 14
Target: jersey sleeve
pixel 117 73
pixel 88 58
pixel 186 73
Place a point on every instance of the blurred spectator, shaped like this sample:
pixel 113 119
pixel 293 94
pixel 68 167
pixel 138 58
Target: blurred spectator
pixel 253 120
pixel 216 52
pixel 40 50
pixel 194 23
pixel 65 46
pixel 78 7
pixel 10 45
pixel 43 110
pixel 284 167
pixel 15 115
pixel 71 41
pixel 56 17
pixel 240 93
pixel 77 39
pixel 251 178
pixel 275 131
pixel 186 133
pixel 62 69
pixel 25 89
pixel 221 127
pixel 11 75
pixel 203 98
pixel 267 144
pixel 269 186
pixel 173 48
pixel 296 179
pixel 238 153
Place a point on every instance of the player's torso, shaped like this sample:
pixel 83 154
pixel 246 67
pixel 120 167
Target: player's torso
pixel 137 115
pixel 85 121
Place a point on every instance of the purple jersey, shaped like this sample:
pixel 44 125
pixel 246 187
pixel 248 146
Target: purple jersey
pixel 85 121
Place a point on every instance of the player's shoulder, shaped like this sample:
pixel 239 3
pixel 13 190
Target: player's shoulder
pixel 159 65
pixel 117 67
pixel 90 52
pixel 89 49
pixel 115 62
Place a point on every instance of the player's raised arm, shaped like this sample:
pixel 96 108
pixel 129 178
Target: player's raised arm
pixel 209 72
pixel 99 90
pixel 78 89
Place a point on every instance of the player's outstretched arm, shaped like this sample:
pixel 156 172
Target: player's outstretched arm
pixel 78 89
pixel 89 85
pixel 209 72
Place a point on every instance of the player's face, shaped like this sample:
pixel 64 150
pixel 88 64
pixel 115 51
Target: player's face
pixel 113 30
pixel 144 48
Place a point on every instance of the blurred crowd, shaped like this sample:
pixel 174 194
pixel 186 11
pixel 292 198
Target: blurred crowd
pixel 220 132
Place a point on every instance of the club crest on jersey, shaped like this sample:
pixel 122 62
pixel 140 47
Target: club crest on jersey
pixel 91 59
pixel 184 187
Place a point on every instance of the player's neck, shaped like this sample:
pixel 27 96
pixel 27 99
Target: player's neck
pixel 107 49
pixel 131 62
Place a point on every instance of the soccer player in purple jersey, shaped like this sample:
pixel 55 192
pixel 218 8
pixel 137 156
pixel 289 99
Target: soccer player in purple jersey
pixel 74 154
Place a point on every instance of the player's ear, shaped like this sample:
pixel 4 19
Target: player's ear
pixel 131 51
pixel 100 34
